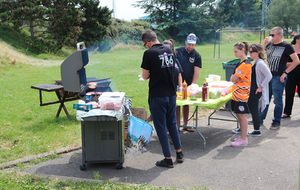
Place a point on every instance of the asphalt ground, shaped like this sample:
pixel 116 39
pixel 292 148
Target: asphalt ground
pixel 268 162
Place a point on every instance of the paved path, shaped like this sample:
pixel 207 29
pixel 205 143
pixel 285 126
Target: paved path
pixel 269 162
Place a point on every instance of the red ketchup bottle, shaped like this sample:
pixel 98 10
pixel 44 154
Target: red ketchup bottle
pixel 184 87
pixel 204 91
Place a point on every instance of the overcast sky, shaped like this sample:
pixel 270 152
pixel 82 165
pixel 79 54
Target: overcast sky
pixel 123 9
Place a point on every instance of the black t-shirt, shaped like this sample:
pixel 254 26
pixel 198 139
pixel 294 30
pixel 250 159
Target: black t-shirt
pixel 278 55
pixel 188 61
pixel 254 86
pixel 296 70
pixel 160 61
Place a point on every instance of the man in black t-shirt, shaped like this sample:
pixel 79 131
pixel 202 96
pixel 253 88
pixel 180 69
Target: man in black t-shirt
pixel 158 66
pixel 191 63
pixel 278 52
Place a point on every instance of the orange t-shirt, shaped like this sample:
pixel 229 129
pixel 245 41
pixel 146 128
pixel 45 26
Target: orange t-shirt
pixel 241 89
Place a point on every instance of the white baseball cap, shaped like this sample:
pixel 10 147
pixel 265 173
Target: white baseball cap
pixel 191 38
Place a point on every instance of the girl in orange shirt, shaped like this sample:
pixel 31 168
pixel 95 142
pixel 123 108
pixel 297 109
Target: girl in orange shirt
pixel 241 78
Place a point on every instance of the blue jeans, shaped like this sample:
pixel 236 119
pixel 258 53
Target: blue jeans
pixel 276 89
pixel 163 115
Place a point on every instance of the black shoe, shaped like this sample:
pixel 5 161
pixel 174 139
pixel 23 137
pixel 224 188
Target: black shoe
pixel 236 131
pixel 275 126
pixel 254 133
pixel 165 163
pixel 179 157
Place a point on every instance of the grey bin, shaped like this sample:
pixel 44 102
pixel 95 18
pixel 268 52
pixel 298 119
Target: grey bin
pixel 102 141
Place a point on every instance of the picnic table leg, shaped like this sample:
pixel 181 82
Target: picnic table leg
pixel 62 105
pixel 211 115
pixel 204 140
pixel 41 99
pixel 178 118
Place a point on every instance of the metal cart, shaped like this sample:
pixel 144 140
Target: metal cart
pixel 102 141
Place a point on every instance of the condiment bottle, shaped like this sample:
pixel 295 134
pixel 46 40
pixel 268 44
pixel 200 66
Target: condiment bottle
pixel 204 91
pixel 184 86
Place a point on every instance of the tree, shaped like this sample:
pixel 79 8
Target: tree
pixel 166 13
pixel 126 32
pixel 54 23
pixel 247 12
pixel 181 17
pixel 96 20
pixel 220 16
pixel 63 21
pixel 18 11
pixel 287 17
pixel 227 8
pixel 199 20
pixel 203 17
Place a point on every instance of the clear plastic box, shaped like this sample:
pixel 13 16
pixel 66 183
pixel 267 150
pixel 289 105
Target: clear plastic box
pixel 111 100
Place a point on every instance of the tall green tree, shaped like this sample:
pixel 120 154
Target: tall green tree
pixel 54 23
pixel 202 17
pixel 95 21
pixel 247 13
pixel 227 8
pixel 287 17
pixel 63 21
pixel 19 11
pixel 126 32
pixel 197 19
pixel 166 13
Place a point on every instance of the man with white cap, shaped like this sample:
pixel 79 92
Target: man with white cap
pixel 191 63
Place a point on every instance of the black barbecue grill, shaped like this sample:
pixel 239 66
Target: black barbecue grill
pixel 73 84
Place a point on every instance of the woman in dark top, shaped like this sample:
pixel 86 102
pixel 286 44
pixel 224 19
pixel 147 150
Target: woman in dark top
pixel 259 91
pixel 293 80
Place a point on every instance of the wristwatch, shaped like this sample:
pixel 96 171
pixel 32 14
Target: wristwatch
pixel 285 72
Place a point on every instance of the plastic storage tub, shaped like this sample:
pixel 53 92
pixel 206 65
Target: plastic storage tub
pixel 111 100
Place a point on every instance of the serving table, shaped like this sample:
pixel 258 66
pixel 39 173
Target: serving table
pixel 214 104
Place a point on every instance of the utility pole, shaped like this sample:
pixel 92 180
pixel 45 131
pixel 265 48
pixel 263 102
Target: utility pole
pixel 114 8
pixel 266 5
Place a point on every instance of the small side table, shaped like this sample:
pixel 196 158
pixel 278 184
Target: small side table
pixel 48 87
